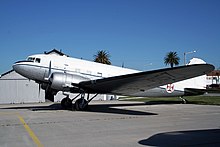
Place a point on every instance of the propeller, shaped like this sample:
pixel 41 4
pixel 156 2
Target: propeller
pixel 45 78
pixel 49 69
pixel 49 72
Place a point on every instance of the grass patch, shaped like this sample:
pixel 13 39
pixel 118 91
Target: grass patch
pixel 202 100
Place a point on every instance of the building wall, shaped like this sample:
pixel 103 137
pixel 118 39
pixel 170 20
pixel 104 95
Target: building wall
pixel 16 89
pixel 213 77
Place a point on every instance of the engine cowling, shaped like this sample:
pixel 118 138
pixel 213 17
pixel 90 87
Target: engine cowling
pixel 63 81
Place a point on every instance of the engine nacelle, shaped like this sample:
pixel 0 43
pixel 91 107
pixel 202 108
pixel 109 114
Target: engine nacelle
pixel 63 81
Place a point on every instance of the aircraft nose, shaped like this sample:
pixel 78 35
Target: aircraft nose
pixel 16 67
pixel 19 68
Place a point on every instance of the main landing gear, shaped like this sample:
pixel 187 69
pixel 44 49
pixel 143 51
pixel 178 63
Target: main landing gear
pixel 79 105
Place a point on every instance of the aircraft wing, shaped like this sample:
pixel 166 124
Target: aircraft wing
pixel 132 84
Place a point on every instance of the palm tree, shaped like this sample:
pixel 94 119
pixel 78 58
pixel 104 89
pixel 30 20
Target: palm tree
pixel 102 56
pixel 172 59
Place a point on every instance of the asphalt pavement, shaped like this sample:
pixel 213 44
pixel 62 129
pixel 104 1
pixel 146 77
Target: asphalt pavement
pixel 110 123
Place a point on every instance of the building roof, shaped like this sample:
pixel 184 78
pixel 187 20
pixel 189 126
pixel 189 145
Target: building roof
pixel 55 51
pixel 6 73
pixel 214 73
pixel 12 75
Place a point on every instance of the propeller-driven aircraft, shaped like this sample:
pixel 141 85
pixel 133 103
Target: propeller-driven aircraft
pixel 61 73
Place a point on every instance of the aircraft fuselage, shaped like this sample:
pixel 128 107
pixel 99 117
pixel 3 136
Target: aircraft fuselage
pixel 41 66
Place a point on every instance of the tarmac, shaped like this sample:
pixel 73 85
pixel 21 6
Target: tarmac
pixel 110 123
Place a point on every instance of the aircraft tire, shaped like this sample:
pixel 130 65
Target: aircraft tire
pixel 66 103
pixel 79 106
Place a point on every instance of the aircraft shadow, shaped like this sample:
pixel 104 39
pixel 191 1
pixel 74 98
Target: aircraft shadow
pixel 112 108
pixel 209 137
pixel 99 108
pixel 161 102
pixel 37 108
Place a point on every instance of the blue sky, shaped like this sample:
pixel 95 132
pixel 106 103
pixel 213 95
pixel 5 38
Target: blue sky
pixel 137 33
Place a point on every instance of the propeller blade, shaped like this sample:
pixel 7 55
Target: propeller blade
pixel 49 69
pixel 49 72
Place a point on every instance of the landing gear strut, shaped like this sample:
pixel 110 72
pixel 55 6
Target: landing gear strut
pixel 82 104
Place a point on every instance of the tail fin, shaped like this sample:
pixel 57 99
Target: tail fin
pixel 197 82
pixel 196 61
pixel 193 83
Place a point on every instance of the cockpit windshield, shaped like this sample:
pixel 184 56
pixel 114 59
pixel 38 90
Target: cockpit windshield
pixel 33 59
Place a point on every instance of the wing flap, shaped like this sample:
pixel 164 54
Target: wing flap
pixel 139 82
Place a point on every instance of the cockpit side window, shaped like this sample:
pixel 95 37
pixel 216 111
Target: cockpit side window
pixel 37 60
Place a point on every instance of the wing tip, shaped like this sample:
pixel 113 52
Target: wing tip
pixel 210 68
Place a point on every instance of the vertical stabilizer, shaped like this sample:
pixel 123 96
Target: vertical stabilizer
pixel 193 83
pixel 196 61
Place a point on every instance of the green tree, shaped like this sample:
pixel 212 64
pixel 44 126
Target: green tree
pixel 172 59
pixel 102 56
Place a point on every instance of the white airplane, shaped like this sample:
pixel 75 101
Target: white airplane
pixel 61 73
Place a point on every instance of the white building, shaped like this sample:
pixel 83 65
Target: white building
pixel 15 88
pixel 213 78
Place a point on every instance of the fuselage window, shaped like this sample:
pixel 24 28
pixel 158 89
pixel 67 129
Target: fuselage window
pixel 37 60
